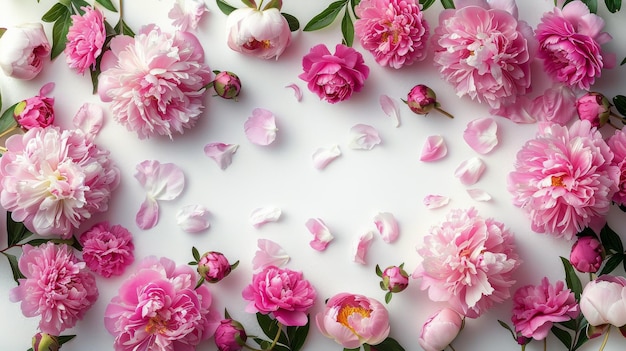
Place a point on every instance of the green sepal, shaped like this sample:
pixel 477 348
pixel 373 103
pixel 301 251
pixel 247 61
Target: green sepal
pixel 226 314
pixel 379 272
pixel 326 17
pixel 447 4
pixel 225 7
pixel 388 296
pixel 274 4
pixel 107 4
pixel 250 3
pixel 195 253
pixel 2 31
pixel 200 281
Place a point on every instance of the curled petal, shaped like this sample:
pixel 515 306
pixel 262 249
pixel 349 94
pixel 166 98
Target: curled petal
pixel 390 108
pixel 296 91
pixel 323 156
pixel 481 135
pixel 269 253
pixel 364 137
pixel 321 235
pixel 148 214
pixel 435 201
pixel 221 153
pixel 261 128
pixel 479 195
pixel 469 171
pixel 89 118
pixel 193 218
pixel 263 215
pixel 362 246
pixel 434 149
pixel 161 181
pixel 387 226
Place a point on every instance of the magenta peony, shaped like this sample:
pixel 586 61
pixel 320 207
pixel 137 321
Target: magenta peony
pixel 564 179
pixel 158 309
pixel 23 50
pixel 595 108
pixel 107 250
pixel 468 261
pixel 53 179
pixel 603 301
pixel 230 335
pixel 394 31
pixel 587 254
pixel 283 293
pixel 484 52
pixel 214 266
pixel 37 111
pixel 57 286
pixel 263 34
pixel 155 81
pixel 617 143
pixel 85 39
pixel 440 330
pixel 334 77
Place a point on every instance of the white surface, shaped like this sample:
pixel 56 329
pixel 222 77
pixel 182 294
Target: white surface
pixel 346 195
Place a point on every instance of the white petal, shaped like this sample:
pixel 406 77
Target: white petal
pixel 469 171
pixel 263 215
pixel 390 108
pixel 362 246
pixel 363 137
pixel 221 153
pixel 193 218
pixel 434 149
pixel 387 226
pixel 435 201
pixel 261 128
pixel 269 253
pixel 323 156
pixel 479 195
pixel 321 234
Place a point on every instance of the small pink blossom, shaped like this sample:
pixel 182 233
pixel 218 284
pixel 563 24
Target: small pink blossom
pixel 587 254
pixel 440 330
pixel 221 153
pixel 214 266
pixel 89 119
pixel 434 149
pixel 296 91
pixel 193 218
pixel 230 335
pixel 481 135
pixel 435 201
pixel 263 34
pixel 390 108
pixel 162 182
pixel 268 254
pixel 364 137
pixel 595 108
pixel 261 128
pixel 263 215
pixel 107 250
pixel 470 170
pixel 23 50
pixel 85 39
pixel 362 246
pixel 387 226
pixel 617 143
pixel 186 14
pixel 37 111
pixel 603 301
pixel 321 234
pixel 395 279
pixel 324 156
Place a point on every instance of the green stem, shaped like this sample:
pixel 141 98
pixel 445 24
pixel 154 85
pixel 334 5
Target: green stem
pixel 274 342
pixel 523 347
pixel 121 10
pixel 13 127
pixel 606 338
pixel 260 4
pixel 545 344
pixel 444 112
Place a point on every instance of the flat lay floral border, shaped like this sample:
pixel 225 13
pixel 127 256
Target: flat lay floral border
pixel 153 83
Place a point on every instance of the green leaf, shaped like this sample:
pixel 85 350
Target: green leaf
pixel 249 3
pixel 447 4
pixel 611 264
pixel 7 120
pixel 379 272
pixel 620 103
pixel 274 4
pixel 55 12
pixel 426 4
pixel 264 344
pixel 623 61
pixel 388 297
pixel 195 253
pixel 65 338
pixel 353 4
pixel 357 349
pixel 76 244
pixel 59 34
pixel 107 4
pixel 122 28
pixel 227 315
pixel 389 344
pixel 571 324
pixel 14 267
pixel 16 231
pixel 78 5
pixel 613 5
pixel 270 327
pixel 293 22
pixel 326 17
pixel 225 7
pixel 562 335
pixel 592 5
pixel 572 280
pixel 347 28
pixel 297 335
pixel 2 31
pixel 610 240
pixel 506 326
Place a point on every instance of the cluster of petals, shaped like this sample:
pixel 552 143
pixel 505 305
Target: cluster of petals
pixel 263 34
pixel 107 249
pixel 468 261
pixel 162 182
pixel 85 39
pixel 394 31
pixel 154 81
pixel 36 111
pixel 564 179
pixel 617 143
pixel 186 14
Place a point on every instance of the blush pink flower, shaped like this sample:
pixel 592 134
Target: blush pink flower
pixel 85 39
pixel 617 143
pixel 394 31
pixel 603 301
pixel 158 308
pixel 37 111
pixel 440 330
pixel 154 81
pixel 564 179
pixel 57 287
pixel 283 293
pixel 53 179
pixel 263 34
pixel 186 14
pixel 536 308
pixel 468 261
pixel 107 250
pixel 23 50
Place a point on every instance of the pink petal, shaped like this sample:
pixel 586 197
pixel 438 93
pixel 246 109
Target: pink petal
pixel 479 195
pixel 261 128
pixel 434 149
pixel 148 214
pixel 323 156
pixel 161 181
pixel 362 247
pixel 321 235
pixel 260 216
pixel 221 153
pixel 481 135
pixel 269 254
pixel 390 108
pixel 435 201
pixel 469 171
pixel 387 226
pixel 296 90
pixel 193 218
pixel 364 137
pixel 89 118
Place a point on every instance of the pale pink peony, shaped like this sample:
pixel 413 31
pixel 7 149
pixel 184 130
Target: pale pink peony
pixel 263 34
pixel 468 261
pixel 283 293
pixel 107 250
pixel 484 52
pixel 569 45
pixel 85 39
pixel 158 309
pixel 37 111
pixel 53 179
pixel 394 31
pixel 57 286
pixel 440 330
pixel 564 179
pixel 617 143
pixel 186 14
pixel 603 301
pixel 155 81
pixel 23 50
pixel 536 308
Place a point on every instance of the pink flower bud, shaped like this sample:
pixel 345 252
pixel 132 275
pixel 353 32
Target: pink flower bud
pixel 395 279
pixel 230 335
pixel 227 85
pixel 214 266
pixel 586 254
pixel 595 108
pixel 603 301
pixel 422 99
pixel 45 342
pixel 37 111
pixel 23 49
pixel 440 329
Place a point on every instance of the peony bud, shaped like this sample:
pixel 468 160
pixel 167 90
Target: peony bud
pixel 603 301
pixel 422 99
pixel 440 329
pixel 230 335
pixel 595 108
pixel 586 254
pixel 37 111
pixel 214 266
pixel 395 279
pixel 23 49
pixel 227 85
pixel 45 342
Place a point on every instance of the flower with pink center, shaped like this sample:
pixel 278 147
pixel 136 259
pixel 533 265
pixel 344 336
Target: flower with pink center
pixel 158 308
pixel 564 179
pixel 394 31
pixel 37 111
pixel 53 179
pixel 617 143
pixel 57 287
pixel 85 39
pixel 154 81
pixel 23 50
pixel 107 249
pixel 263 34
pixel 468 261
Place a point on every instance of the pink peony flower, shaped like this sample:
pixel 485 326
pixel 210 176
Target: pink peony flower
pixel 569 45
pixel 468 261
pixel 281 292
pixel 85 39
pixel 227 85
pixel 536 308
pixel 37 111
pixel 107 250
pixel 57 286
pixel 617 143
pixel 484 52
pixel 53 179
pixel 395 279
pixel 564 179
pixel 230 336
pixel 214 266
pixel 440 329
pixel 595 108
pixel 603 301
pixel 155 81
pixel 23 50
pixel 186 14
pixel 263 34
pixel 352 320
pixel 334 77
pixel 158 309
pixel 556 105
pixel 394 31
pixel 586 254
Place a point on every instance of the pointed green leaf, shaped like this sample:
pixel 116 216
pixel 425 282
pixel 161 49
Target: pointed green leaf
pixel 447 4
pixel 14 267
pixel 59 34
pixel 611 263
pixel 293 22
pixel 582 339
pixel 571 324
pixel 7 120
pixel 16 231
pixel 195 253
pixel 107 4
pixel 620 102
pixel 55 12
pixel 572 280
pixel 270 327
pixel 357 349
pixel 297 335
pixel 592 5
pixel 274 4
pixel 249 3
pixel 353 4
pixel 610 240
pixel 227 315
pixel 2 31
pixel 76 244
pixel 613 5
pixel 225 7
pixel 122 28
pixel 388 297
pixel 347 28
pixel 78 6
pixel 379 272
pixel 623 62
pixel 562 335
pixel 65 338
pixel 389 344
pixel 326 17
pixel 506 326
pixel 426 4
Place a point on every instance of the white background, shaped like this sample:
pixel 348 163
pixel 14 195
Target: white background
pixel 346 195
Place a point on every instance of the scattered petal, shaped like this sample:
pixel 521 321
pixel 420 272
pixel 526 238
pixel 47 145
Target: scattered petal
pixel 434 149
pixel 148 214
pixel 479 195
pixel 221 153
pixel 363 137
pixel 482 135
pixel 193 218
pixel 321 235
pixel 161 181
pixel 186 14
pixel 261 128
pixel 390 108
pixel 264 215
pixel 296 90
pixel 435 201
pixel 89 118
pixel 323 156
pixel 362 247
pixel 269 254
pixel 387 226
pixel 469 171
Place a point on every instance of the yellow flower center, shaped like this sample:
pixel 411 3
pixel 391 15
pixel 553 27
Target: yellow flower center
pixel 557 181
pixel 156 325
pixel 346 311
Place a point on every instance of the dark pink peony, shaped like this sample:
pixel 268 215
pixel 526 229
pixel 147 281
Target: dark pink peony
pixel 617 143
pixel 230 336
pixel 37 111
pixel 107 250
pixel 85 39
pixel 595 108
pixel 586 254
pixel 214 266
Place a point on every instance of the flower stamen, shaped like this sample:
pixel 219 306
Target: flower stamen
pixel 346 311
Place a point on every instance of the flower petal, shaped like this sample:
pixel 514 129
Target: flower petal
pixel 269 254
pixel 89 118
pixel 390 108
pixel 469 171
pixel 296 91
pixel 221 153
pixel 263 215
pixel 148 214
pixel 362 247
pixel 323 156
pixel 321 235
pixel 261 128
pixel 435 201
pixel 479 195
pixel 387 226
pixel 434 149
pixel 481 135
pixel 161 181
pixel 363 137
pixel 193 218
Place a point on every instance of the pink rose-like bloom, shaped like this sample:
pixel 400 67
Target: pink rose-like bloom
pixel 23 50
pixel 484 52
pixel 85 39
pixel 421 99
pixel 186 14
pixel 564 179
pixel 556 105
pixel 569 45
pixel 214 266
pixel 158 309
pixel 53 179
pixel 37 111
pixel 155 81
pixel 281 292
pixel 334 77
pixel 57 287
pixel 107 250
pixel 586 254
pixel 263 34
pixel 536 308
pixel 394 31
pixel 468 261
pixel 595 108
pixel 395 279
pixel 617 143
pixel 352 320
pixel 440 329
pixel 603 301
pixel 230 336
